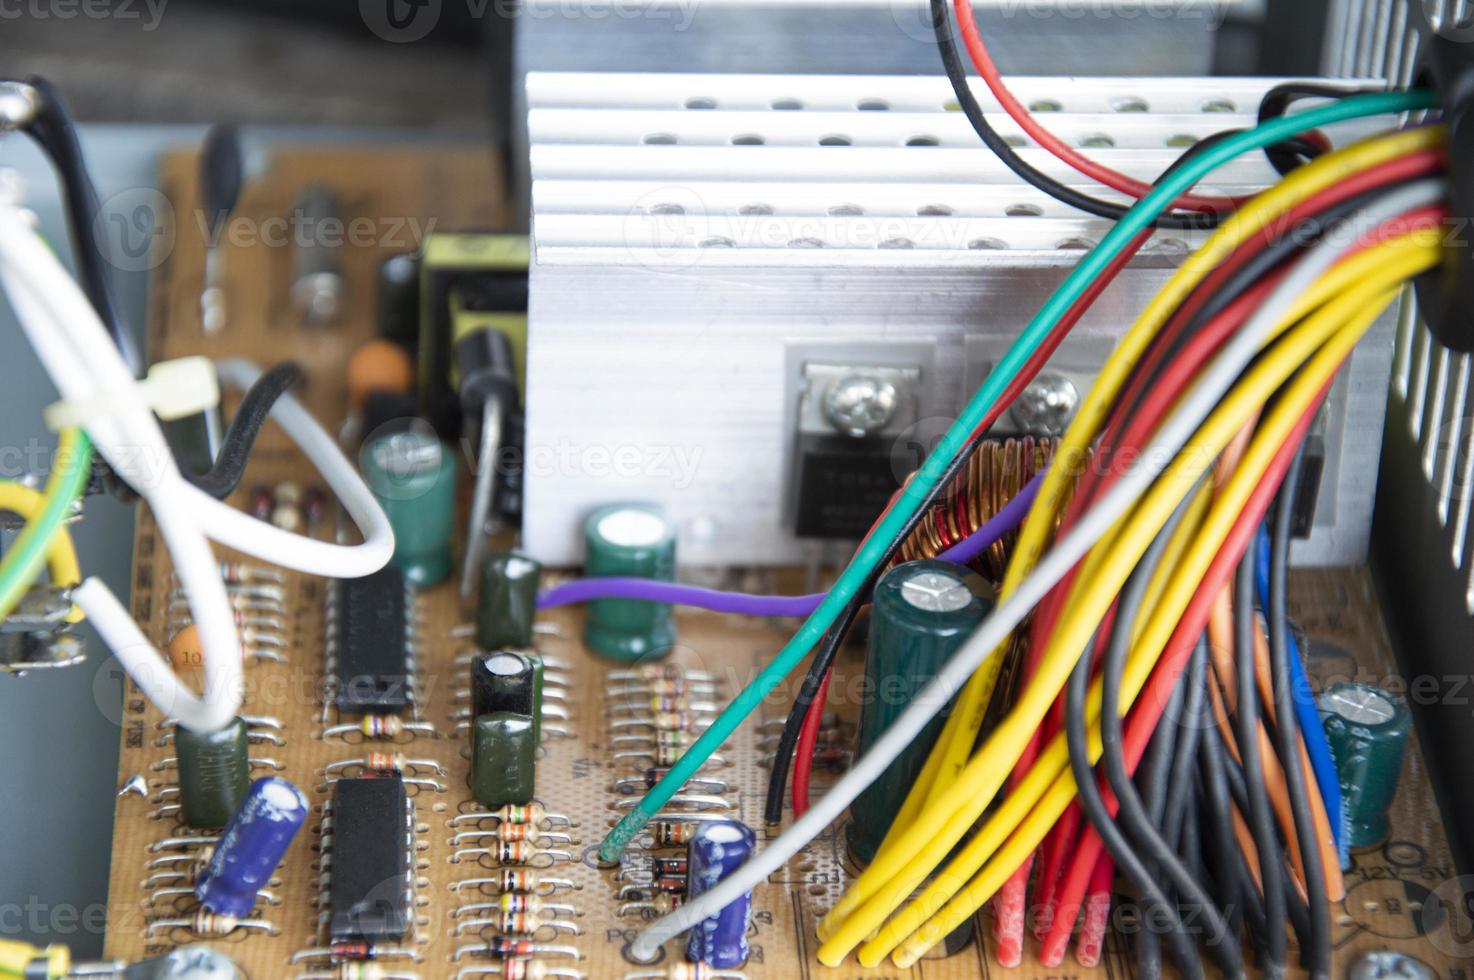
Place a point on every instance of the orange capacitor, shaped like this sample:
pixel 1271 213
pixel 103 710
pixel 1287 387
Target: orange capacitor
pixel 378 365
pixel 185 650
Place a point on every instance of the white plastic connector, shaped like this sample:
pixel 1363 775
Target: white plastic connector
pixel 173 390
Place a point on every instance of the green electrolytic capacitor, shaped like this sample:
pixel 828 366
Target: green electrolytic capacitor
pixel 214 773
pixel 1367 728
pixel 503 759
pixel 630 540
pixel 412 475
pixel 507 680
pixel 508 603
pixel 920 614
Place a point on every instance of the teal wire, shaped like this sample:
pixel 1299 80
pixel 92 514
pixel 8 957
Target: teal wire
pixel 873 550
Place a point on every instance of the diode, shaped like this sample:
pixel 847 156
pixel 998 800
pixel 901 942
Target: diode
pixel 518 880
pixel 517 947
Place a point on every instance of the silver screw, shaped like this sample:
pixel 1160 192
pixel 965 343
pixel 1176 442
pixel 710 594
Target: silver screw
pixel 860 405
pixel 1046 406
pixel 18 105
pixel 935 592
pixel 1386 964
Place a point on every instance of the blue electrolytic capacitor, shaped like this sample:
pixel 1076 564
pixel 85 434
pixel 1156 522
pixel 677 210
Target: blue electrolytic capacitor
pixel 251 847
pixel 716 850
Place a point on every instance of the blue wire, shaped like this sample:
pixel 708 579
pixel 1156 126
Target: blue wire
pixel 1306 712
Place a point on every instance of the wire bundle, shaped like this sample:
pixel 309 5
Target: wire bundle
pixel 1223 370
pixel 1269 344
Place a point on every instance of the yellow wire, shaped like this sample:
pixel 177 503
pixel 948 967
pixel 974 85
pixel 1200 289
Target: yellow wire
pixel 1077 620
pixel 61 554
pixel 1345 321
pixel 945 765
pixel 929 836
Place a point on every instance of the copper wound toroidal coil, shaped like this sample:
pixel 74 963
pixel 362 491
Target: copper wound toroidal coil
pixel 994 475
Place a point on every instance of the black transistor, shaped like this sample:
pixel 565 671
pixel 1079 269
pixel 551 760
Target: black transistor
pixel 373 663
pixel 370 894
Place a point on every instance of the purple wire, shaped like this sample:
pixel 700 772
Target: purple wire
pixel 745 604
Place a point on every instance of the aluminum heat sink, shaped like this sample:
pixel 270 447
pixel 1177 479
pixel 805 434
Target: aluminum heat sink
pixel 702 242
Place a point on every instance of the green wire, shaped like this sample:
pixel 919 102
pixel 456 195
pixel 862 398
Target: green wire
pixel 873 550
pixel 22 565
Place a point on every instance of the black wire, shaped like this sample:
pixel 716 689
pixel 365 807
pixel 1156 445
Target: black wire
pixel 1258 813
pixel 1223 851
pixel 1318 949
pixel 54 131
pixel 834 638
pixel 1137 819
pixel 1277 101
pixel 957 75
pixel 1151 775
pixel 221 479
pixel 1181 787
pixel 1092 802
pixel 1274 253
pixel 1292 152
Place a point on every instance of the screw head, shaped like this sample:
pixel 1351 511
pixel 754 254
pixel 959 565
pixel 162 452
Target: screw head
pixel 860 405
pixel 1046 406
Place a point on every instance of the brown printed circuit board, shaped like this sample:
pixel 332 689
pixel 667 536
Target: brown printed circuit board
pixel 589 769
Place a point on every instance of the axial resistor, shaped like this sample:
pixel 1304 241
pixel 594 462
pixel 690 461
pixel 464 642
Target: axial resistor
pixel 521 968
pixel 669 833
pixel 674 721
pixel 527 882
pixel 527 924
pixel 531 813
pixel 522 903
pixel 518 852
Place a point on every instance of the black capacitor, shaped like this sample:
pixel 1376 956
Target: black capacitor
pixel 399 299
pixel 507 606
pixel 214 773
pixel 507 681
pixel 368 893
pixel 387 413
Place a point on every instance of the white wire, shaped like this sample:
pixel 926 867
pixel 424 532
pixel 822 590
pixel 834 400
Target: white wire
pixel 243 532
pixel 84 364
pixel 1218 377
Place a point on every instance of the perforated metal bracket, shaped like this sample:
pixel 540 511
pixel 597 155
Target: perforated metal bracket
pixel 1446 294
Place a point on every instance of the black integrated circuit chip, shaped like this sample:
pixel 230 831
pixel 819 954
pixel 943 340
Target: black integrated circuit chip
pixel 369 892
pixel 375 670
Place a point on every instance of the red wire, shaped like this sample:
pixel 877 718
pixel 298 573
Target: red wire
pixel 1069 895
pixel 1098 172
pixel 803 762
pixel 1154 696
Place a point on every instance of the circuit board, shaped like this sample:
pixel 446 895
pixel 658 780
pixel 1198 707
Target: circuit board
pixel 1393 899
